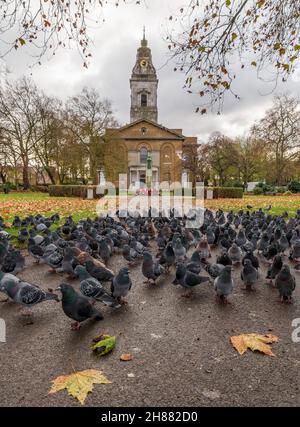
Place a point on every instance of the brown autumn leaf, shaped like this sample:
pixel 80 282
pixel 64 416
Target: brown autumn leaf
pixel 125 357
pixel 254 342
pixel 79 384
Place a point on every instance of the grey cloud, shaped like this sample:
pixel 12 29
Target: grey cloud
pixel 114 51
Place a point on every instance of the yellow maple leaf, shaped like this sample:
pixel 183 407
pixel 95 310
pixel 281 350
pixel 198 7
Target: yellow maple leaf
pixel 254 342
pixel 79 384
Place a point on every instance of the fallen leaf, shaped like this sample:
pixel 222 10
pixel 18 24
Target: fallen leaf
pixel 104 344
pixel 79 384
pixel 126 357
pixel 254 342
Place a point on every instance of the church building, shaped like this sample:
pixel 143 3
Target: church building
pixel 144 140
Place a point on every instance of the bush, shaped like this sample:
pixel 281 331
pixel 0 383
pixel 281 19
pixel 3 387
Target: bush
pixel 262 188
pixel 39 188
pixel 294 186
pixel 258 191
pixel 226 192
pixel 71 190
pixel 281 189
pixel 288 193
pixel 235 184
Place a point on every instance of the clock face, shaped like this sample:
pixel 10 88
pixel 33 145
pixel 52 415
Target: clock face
pixel 143 63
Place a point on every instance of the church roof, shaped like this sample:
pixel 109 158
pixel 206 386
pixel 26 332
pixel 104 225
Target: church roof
pixel 175 132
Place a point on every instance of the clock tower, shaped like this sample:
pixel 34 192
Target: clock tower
pixel 143 85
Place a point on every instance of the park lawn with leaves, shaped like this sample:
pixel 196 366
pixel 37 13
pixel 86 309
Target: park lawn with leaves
pixel 26 203
pixel 280 204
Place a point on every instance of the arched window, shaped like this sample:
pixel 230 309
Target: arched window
pixel 143 155
pixel 144 100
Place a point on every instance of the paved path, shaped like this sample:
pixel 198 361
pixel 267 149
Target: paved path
pixel 181 349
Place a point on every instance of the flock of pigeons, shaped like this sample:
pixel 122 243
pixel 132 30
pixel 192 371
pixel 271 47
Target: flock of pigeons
pixel 83 250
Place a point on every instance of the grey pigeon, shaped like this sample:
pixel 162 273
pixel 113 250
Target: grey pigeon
pixel 224 284
pixel 54 260
pixel 23 293
pixel 235 253
pixel 130 254
pixel 179 250
pixel 121 285
pixel 77 307
pixel 274 269
pixel 69 262
pixel 92 288
pixel 249 274
pixel 13 262
pixel 35 250
pixel 285 283
pixel 214 270
pixel 100 273
pixel 151 268
pixel 188 279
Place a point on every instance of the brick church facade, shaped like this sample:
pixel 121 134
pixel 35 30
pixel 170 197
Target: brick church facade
pixel 144 137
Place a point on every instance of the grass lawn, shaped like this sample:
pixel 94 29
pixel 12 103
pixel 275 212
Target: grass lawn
pixel 24 204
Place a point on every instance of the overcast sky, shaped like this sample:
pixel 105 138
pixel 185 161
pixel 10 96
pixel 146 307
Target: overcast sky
pixel 114 53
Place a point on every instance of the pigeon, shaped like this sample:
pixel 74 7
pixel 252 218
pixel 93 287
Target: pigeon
pixel 35 250
pixel 295 252
pixel 169 256
pixel 214 270
pixel 224 259
pixel 92 288
pixel 223 284
pixel 235 253
pixel 121 285
pixel 151 268
pixel 69 262
pixel 274 269
pixel 285 283
pixel 203 248
pixel 13 262
pixel 130 255
pixel 102 274
pixel 23 293
pixel 188 279
pixel 253 259
pixel 249 274
pixel 194 265
pixel 77 307
pixel 179 250
pixel 54 260
pixel 23 235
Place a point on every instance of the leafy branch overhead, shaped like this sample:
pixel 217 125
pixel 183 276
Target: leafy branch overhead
pixel 219 37
pixel 48 25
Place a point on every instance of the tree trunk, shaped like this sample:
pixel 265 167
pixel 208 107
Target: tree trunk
pixel 26 183
pixel 50 174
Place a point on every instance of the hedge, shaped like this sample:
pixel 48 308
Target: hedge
pixel 71 190
pixel 81 191
pixel 226 192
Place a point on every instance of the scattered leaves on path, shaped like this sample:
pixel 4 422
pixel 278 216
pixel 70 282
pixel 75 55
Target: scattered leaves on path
pixel 254 342
pixel 79 384
pixel 126 357
pixel 103 344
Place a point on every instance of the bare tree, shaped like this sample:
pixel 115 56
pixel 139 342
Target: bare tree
pixel 251 158
pixel 87 117
pixel 18 118
pixel 280 131
pixel 222 155
pixel 195 162
pixel 215 35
